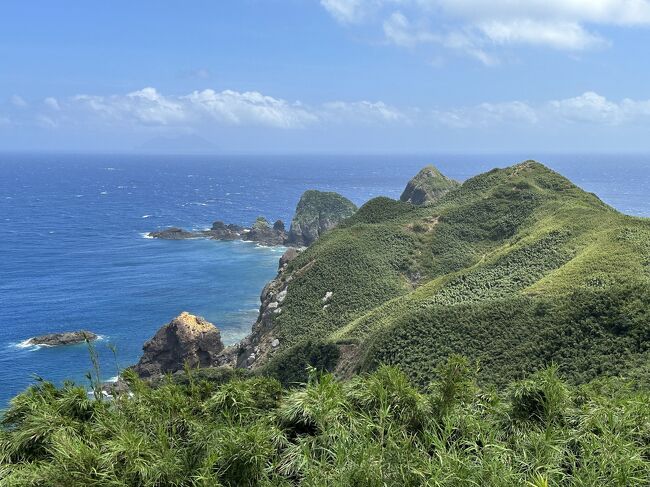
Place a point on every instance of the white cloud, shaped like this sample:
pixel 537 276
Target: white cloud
pixel 45 121
pixel 18 101
pixel 558 35
pixel 229 108
pixel 209 109
pixel 251 107
pixel 461 41
pixel 52 103
pixel 145 106
pixel 398 30
pixel 587 109
pixel 483 26
pixel 363 111
pixel 348 11
pixel 593 108
pixel 487 115
pixel 616 12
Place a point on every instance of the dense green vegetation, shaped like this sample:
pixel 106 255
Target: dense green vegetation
pixel 494 270
pixel 499 336
pixel 374 430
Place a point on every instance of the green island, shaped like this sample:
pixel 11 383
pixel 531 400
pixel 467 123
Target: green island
pixel 493 333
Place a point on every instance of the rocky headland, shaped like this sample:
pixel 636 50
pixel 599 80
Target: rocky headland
pixel 316 213
pixel 65 338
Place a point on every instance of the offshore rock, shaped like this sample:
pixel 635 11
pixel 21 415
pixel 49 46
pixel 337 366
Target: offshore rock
pixel 66 338
pixel 174 233
pixel 186 339
pixel 262 233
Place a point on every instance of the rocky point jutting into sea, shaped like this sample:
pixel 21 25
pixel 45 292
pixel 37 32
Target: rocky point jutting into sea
pixel 316 213
pixel 515 266
pixel 190 340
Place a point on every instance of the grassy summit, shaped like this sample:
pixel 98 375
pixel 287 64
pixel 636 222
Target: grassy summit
pixel 517 268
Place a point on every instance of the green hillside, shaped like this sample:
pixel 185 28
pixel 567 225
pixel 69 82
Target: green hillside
pixel 470 342
pixel 517 268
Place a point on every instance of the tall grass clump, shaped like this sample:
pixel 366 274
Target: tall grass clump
pixel 379 429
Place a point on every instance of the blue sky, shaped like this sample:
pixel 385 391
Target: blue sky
pixel 325 76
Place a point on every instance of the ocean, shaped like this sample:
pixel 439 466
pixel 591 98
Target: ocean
pixel 73 252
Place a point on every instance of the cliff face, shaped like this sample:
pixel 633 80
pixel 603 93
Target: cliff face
pixel 186 339
pixel 316 213
pixel 427 187
pixel 258 346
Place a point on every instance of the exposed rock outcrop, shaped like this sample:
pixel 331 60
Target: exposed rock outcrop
pixel 66 338
pixel 221 231
pixel 186 339
pixel 174 233
pixel 427 187
pixel 261 232
pixel 316 213
pixel 253 350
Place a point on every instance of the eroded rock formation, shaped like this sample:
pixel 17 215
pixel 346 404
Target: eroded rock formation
pixel 186 339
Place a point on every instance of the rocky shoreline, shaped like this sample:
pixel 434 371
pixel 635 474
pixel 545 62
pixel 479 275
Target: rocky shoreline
pixel 261 232
pixel 316 213
pixel 190 340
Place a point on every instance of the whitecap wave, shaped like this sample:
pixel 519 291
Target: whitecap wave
pixel 147 216
pixel 28 345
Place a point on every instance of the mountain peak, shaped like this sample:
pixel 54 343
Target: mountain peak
pixel 427 187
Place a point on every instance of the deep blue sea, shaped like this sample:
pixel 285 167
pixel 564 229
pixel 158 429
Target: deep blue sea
pixel 73 255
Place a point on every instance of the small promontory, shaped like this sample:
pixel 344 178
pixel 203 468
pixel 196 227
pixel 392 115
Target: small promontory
pixel 186 339
pixel 427 187
pixel 66 338
pixel 317 212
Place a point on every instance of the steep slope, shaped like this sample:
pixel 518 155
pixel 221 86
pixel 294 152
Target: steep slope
pixel 517 267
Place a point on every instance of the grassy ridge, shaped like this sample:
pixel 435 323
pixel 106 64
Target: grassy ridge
pixel 470 274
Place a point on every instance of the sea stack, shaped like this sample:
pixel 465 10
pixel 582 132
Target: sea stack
pixel 186 339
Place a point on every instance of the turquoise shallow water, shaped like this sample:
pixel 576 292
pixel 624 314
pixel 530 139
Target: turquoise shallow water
pixel 72 252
